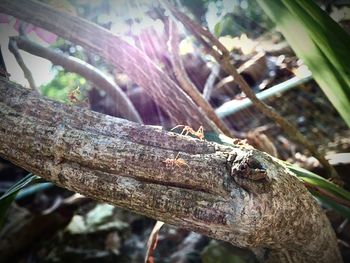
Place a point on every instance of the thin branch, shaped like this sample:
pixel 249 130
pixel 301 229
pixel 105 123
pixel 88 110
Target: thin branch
pixel 232 106
pixel 235 194
pixel 152 242
pixel 27 74
pixel 119 53
pixel 200 31
pixel 92 74
pixel 186 84
pixel 209 84
pixel 3 70
pixel 224 60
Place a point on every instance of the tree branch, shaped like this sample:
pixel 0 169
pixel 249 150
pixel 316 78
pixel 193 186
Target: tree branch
pixel 3 70
pixel 117 52
pixel 92 74
pixel 236 194
pixel 209 84
pixel 224 59
pixel 186 84
pixel 27 74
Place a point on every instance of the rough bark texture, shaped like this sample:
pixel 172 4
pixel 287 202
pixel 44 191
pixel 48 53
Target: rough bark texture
pixel 236 194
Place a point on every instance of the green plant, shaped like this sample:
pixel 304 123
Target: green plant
pixel 9 196
pixel 320 42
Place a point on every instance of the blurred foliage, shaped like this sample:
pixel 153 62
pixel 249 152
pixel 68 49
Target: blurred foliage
pixel 63 83
pixel 217 252
pixel 9 196
pixel 320 42
pixel 230 17
pixel 69 48
pixel 330 204
pixel 100 218
pixel 329 187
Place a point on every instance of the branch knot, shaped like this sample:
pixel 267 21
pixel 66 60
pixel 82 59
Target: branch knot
pixel 249 172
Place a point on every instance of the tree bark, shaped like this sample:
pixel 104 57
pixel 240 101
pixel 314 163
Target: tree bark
pixel 236 194
pixel 119 53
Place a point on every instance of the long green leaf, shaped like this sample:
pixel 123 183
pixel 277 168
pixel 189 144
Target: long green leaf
pixel 319 181
pixel 320 42
pixel 304 175
pixel 325 32
pixel 342 210
pixel 9 196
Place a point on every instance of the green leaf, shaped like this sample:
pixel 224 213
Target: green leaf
pixel 319 181
pixel 322 29
pixel 219 138
pixel 9 196
pixel 320 42
pixel 304 175
pixel 4 205
pixel 218 29
pixel 342 210
pixel 216 252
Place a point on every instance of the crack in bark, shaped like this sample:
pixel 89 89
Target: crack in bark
pixel 115 161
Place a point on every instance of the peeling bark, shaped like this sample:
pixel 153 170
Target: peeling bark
pixel 235 194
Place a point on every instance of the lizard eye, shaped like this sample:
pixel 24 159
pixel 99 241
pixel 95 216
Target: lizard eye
pixel 254 163
pixel 243 167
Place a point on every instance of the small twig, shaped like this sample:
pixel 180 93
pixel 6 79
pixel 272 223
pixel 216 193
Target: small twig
pixel 209 84
pixel 152 242
pixel 341 227
pixel 224 60
pixel 3 70
pixel 27 74
pixel 223 83
pixel 21 29
pixel 187 85
pixel 97 77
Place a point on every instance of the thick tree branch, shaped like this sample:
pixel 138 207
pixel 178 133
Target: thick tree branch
pixel 92 74
pixel 224 59
pixel 235 194
pixel 116 51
